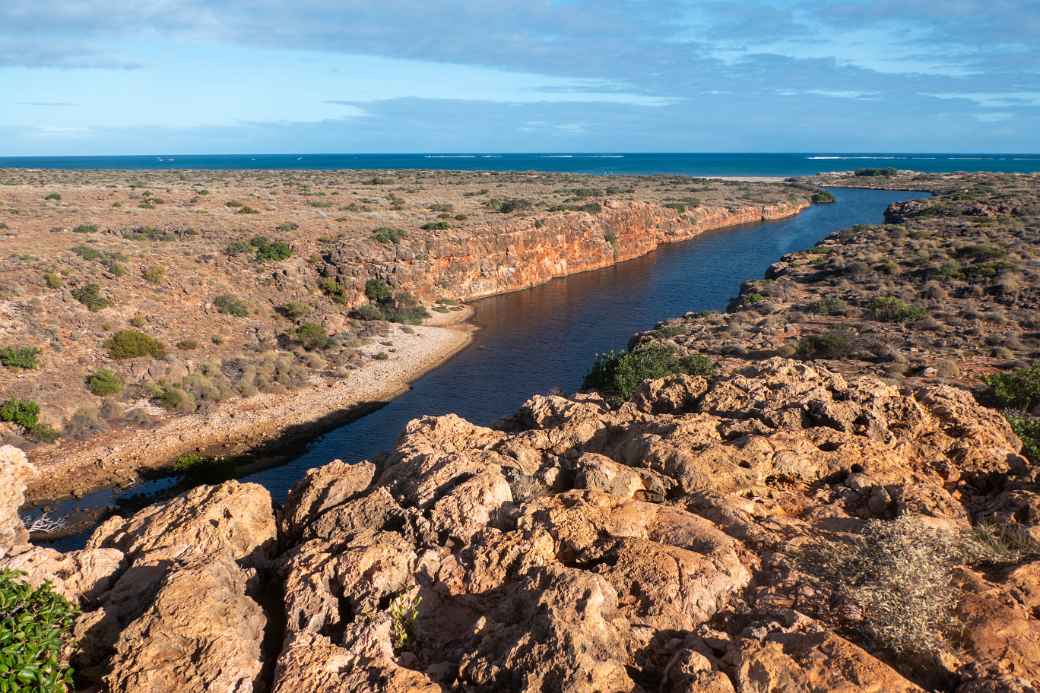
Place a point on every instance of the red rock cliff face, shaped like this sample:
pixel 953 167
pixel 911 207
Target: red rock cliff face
pixel 520 253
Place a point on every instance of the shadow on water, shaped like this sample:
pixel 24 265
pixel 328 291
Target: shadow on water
pixel 544 338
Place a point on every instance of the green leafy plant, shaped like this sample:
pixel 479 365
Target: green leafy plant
pixel 892 309
pixel 267 250
pixel 616 375
pixel 312 336
pixel 293 311
pixel 153 274
pixel 1017 389
pixel 52 196
pixel 822 197
pixel 129 344
pixel 385 234
pixel 90 296
pixel 85 228
pixel 24 413
pixel 53 280
pixel 229 305
pixel 104 382
pixel 403 611
pixel 35 623
pixel 835 344
pixel 19 357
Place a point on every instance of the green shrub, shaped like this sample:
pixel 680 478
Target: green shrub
pixel 189 460
pixel 377 290
pixel 267 250
pixel 312 336
pixel 176 399
pixel 90 296
pixel 876 172
pixel 293 311
pixel 35 623
pixel 616 375
pixel 333 289
pixel 1017 389
pixel 1028 429
pixel 187 345
pixel 52 196
pixel 53 280
pixel 85 228
pixel 514 205
pixel 104 382
pixel 435 226
pixel 229 305
pixel 233 204
pixel 892 309
pixel 24 413
pixel 830 305
pixel 43 433
pixel 385 234
pixel 237 248
pixel 287 227
pixel 87 253
pixel 246 209
pixel 19 357
pixel 829 345
pixel 129 344
pixel 402 308
pixel 154 274
pixel 204 469
pixel 822 197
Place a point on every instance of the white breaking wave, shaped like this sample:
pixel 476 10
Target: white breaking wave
pixel 854 157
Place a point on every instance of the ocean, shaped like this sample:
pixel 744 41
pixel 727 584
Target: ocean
pixel 604 164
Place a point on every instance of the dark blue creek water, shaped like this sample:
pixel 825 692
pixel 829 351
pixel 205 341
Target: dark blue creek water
pixel 545 338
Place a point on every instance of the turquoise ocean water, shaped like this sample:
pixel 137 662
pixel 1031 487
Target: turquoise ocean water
pixel 688 164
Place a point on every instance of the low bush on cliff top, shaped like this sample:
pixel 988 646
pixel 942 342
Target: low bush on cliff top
pixel 899 575
pixel 104 382
pixel 385 234
pixel 1017 389
pixel 90 296
pixel 822 197
pixel 616 374
pixel 835 344
pixel 229 305
pixel 876 172
pixel 891 309
pixel 19 357
pixel 34 622
pixel 129 344
pixel 26 413
pixel 268 250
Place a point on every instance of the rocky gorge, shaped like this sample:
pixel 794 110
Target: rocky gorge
pixel 783 520
pixel 149 315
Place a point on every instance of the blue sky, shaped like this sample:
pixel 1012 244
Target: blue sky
pixel 259 76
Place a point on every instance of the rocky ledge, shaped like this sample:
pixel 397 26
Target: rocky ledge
pixel 776 528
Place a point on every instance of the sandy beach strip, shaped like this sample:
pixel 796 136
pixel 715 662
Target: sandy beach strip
pixel 240 425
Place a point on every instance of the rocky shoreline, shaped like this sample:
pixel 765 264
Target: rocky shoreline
pixel 663 545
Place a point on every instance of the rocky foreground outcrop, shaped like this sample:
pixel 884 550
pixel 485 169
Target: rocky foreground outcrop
pixel 698 538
